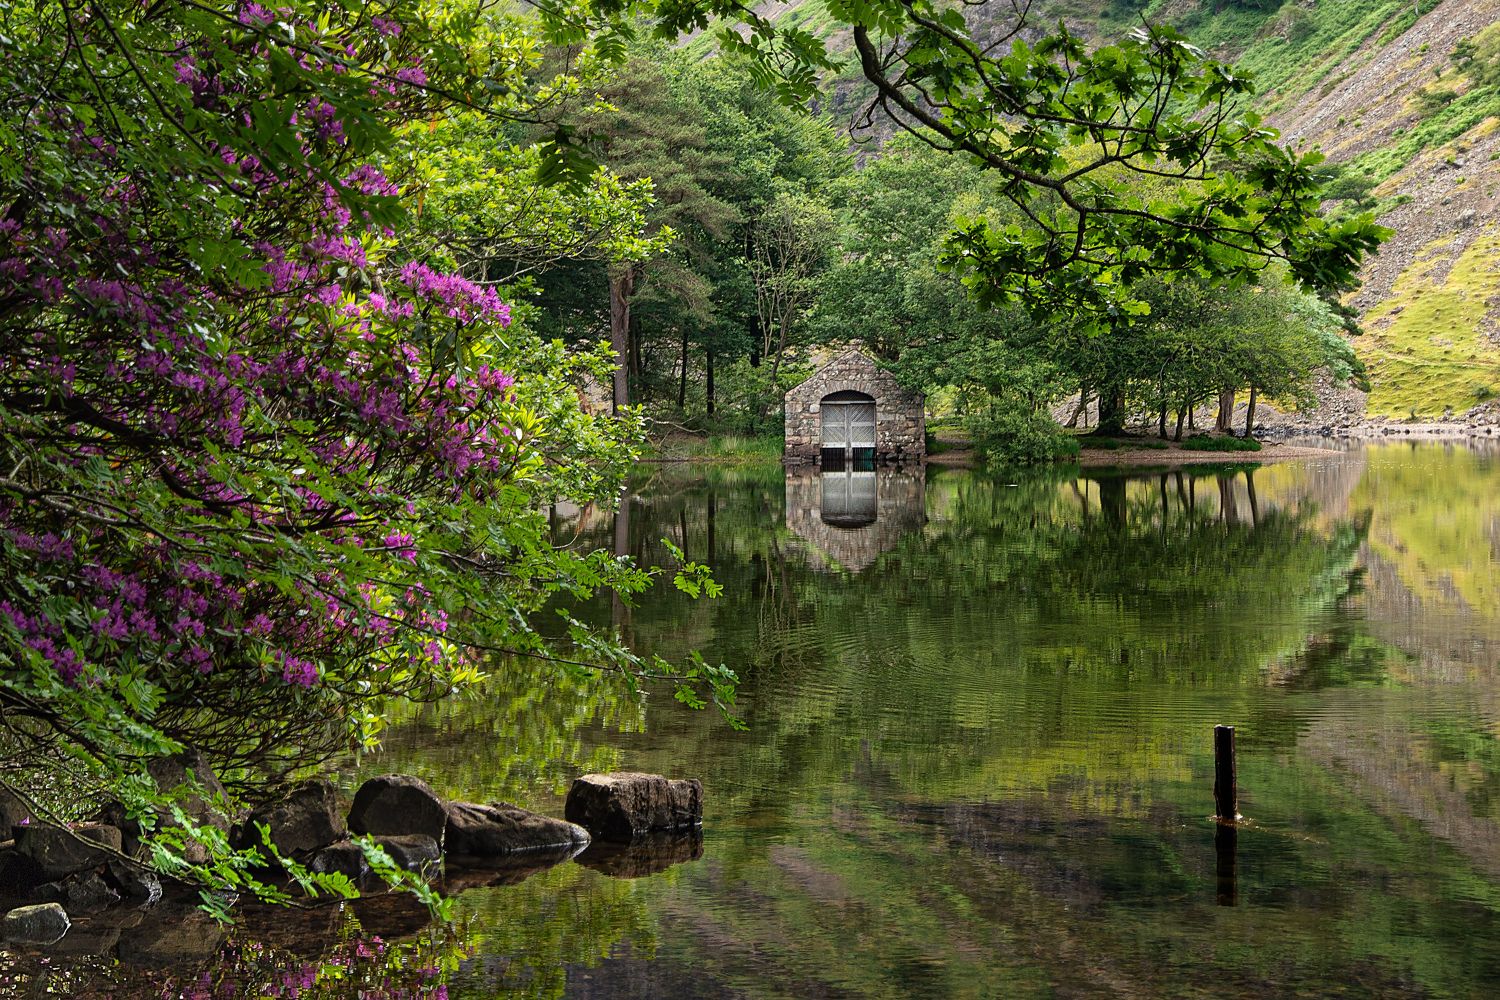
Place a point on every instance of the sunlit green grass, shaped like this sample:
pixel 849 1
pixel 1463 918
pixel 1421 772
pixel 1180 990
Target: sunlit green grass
pixel 1425 346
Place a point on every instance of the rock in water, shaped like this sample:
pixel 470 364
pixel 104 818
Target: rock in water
pixel 200 795
pixel 186 770
pixel 60 851
pixel 412 851
pixel 626 804
pixel 43 923
pixel 501 828
pixel 397 805
pixel 135 882
pixel 345 858
pixel 172 937
pixel 301 821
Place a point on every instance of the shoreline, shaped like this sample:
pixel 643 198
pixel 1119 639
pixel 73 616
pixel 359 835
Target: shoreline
pixel 1280 442
pixel 1099 458
pixel 1382 430
pixel 1175 457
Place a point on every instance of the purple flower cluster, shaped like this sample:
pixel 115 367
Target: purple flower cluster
pixel 457 296
pixel 43 637
pixel 299 671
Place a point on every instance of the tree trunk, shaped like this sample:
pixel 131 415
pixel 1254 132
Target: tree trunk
pixel 1161 422
pixel 1181 412
pixel 1225 423
pixel 637 369
pixel 620 287
pixel 682 376
pixel 1111 411
pixel 1082 409
pixel 708 389
pixel 780 350
pixel 1250 412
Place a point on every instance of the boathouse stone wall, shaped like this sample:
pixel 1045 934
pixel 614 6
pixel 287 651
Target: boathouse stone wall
pixel 900 424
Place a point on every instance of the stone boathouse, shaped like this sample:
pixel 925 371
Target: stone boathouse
pixel 854 410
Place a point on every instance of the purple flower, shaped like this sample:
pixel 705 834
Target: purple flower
pixel 255 14
pixel 412 75
pixel 295 670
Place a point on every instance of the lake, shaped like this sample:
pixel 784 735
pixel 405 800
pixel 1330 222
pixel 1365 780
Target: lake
pixel 978 760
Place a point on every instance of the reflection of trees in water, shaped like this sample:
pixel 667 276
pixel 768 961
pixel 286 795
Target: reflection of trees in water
pixel 520 737
pixel 1057 648
pixel 1025 633
pixel 879 896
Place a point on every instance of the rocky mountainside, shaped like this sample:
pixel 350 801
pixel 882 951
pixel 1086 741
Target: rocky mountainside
pixel 1406 105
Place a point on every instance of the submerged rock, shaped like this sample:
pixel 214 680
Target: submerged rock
pixel 301 821
pixel 60 851
pixel 626 804
pixel 85 940
pixel 501 828
pixel 398 805
pixel 43 923
pixel 171 936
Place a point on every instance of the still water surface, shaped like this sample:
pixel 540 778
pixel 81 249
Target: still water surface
pixel 978 757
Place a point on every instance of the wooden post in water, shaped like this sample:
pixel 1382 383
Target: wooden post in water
pixel 1226 789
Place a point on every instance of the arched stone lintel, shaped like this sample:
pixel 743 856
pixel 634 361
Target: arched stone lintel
pixel 860 387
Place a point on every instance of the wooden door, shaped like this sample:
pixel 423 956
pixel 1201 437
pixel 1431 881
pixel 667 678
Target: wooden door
pixel 848 425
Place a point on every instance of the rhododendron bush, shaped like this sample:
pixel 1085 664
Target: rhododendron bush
pixel 264 468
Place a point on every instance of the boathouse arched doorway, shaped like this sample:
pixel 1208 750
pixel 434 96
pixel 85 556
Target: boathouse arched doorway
pixel 848 429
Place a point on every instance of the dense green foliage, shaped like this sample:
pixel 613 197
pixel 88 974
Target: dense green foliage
pixel 1204 442
pixel 270 466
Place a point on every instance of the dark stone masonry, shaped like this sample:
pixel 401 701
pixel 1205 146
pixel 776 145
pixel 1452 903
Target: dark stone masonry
pixel 900 433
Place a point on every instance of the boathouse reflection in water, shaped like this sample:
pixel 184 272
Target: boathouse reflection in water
pixel 850 515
